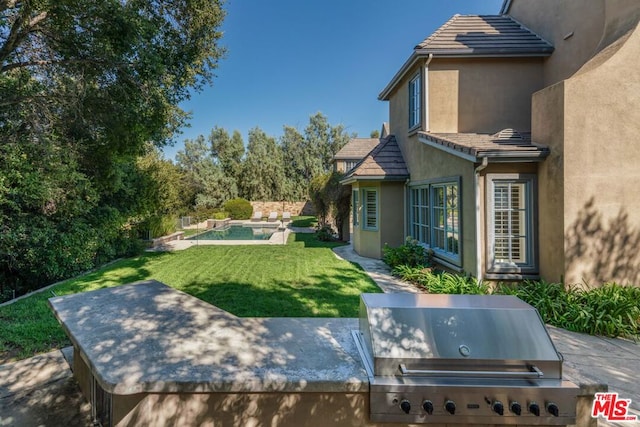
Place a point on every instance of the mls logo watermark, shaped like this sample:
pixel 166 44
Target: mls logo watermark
pixel 611 407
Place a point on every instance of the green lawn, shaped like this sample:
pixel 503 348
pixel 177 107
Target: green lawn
pixel 300 279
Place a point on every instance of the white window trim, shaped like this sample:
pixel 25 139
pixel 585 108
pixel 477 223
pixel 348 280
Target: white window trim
pixel 531 265
pixel 364 205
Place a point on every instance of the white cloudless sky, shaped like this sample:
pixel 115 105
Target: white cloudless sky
pixel 288 59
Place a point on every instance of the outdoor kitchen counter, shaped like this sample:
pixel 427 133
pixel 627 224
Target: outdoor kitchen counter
pixel 150 338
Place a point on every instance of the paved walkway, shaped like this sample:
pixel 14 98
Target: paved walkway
pixel 41 391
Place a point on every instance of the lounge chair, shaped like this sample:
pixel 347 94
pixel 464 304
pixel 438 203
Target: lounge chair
pixel 286 217
pixel 257 216
pixel 273 217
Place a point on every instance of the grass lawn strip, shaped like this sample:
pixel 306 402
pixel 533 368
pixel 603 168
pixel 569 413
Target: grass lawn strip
pixel 301 279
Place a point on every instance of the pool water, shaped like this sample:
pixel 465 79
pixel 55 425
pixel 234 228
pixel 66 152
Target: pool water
pixel 235 232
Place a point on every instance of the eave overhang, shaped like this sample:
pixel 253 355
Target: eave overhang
pixel 531 154
pixel 474 36
pixel 372 178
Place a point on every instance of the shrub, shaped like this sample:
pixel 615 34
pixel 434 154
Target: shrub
pixel 441 282
pixel 325 233
pixel 202 213
pixel 220 215
pixel 238 208
pixel 411 254
pixel 611 310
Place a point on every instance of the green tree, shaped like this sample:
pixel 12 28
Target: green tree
pixel 227 154
pixel 84 86
pixel 262 169
pixel 331 201
pixel 309 155
pixel 324 141
pixel 204 176
pixel 375 134
pixel 161 192
pixel 299 164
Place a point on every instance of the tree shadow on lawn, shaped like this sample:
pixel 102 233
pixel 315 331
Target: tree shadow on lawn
pixel 309 240
pixel 312 296
pixel 129 270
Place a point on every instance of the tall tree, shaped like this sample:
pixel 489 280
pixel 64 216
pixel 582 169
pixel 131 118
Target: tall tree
pixel 309 155
pixel 298 164
pixel 263 169
pixel 324 139
pixel 162 192
pixel 84 86
pixel 227 152
pixel 203 175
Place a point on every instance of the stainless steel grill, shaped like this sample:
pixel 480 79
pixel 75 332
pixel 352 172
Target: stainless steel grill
pixel 471 359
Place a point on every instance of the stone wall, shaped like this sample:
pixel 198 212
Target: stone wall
pixel 295 208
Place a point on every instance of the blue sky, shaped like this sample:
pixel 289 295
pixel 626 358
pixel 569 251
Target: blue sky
pixel 288 59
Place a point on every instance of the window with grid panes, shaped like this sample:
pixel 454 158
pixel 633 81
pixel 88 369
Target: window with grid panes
pixel 446 218
pixel 420 214
pixel 414 102
pixel 354 207
pixel 511 227
pixel 370 209
pixel 435 218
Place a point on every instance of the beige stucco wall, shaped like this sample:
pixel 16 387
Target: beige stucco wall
pixel 592 123
pixel 471 95
pixel 548 128
pixel 601 183
pixel 578 29
pixel 482 95
pixel 369 243
pixel 392 211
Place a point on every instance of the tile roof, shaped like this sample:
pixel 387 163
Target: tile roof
pixel 506 144
pixel 484 35
pixel 475 36
pixel 384 163
pixel 357 148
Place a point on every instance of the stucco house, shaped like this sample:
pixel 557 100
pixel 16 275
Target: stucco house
pixel 513 146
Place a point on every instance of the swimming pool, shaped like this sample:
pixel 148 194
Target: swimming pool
pixel 236 232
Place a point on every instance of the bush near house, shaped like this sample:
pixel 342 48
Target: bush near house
pixel 411 254
pixel 611 310
pixel 238 208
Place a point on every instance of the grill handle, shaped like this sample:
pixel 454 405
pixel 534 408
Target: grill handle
pixel 533 372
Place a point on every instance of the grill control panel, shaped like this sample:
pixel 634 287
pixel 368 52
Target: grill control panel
pixel 465 404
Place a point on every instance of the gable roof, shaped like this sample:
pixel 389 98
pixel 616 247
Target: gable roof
pixel 486 35
pixel 507 145
pixel 383 163
pixel 468 36
pixel 356 148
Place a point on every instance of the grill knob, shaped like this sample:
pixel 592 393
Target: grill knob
pixel 552 408
pixel 534 408
pixel 516 408
pixel 498 407
pixel 427 405
pixel 450 407
pixel 405 405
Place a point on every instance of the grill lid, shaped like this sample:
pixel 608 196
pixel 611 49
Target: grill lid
pixel 418 332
